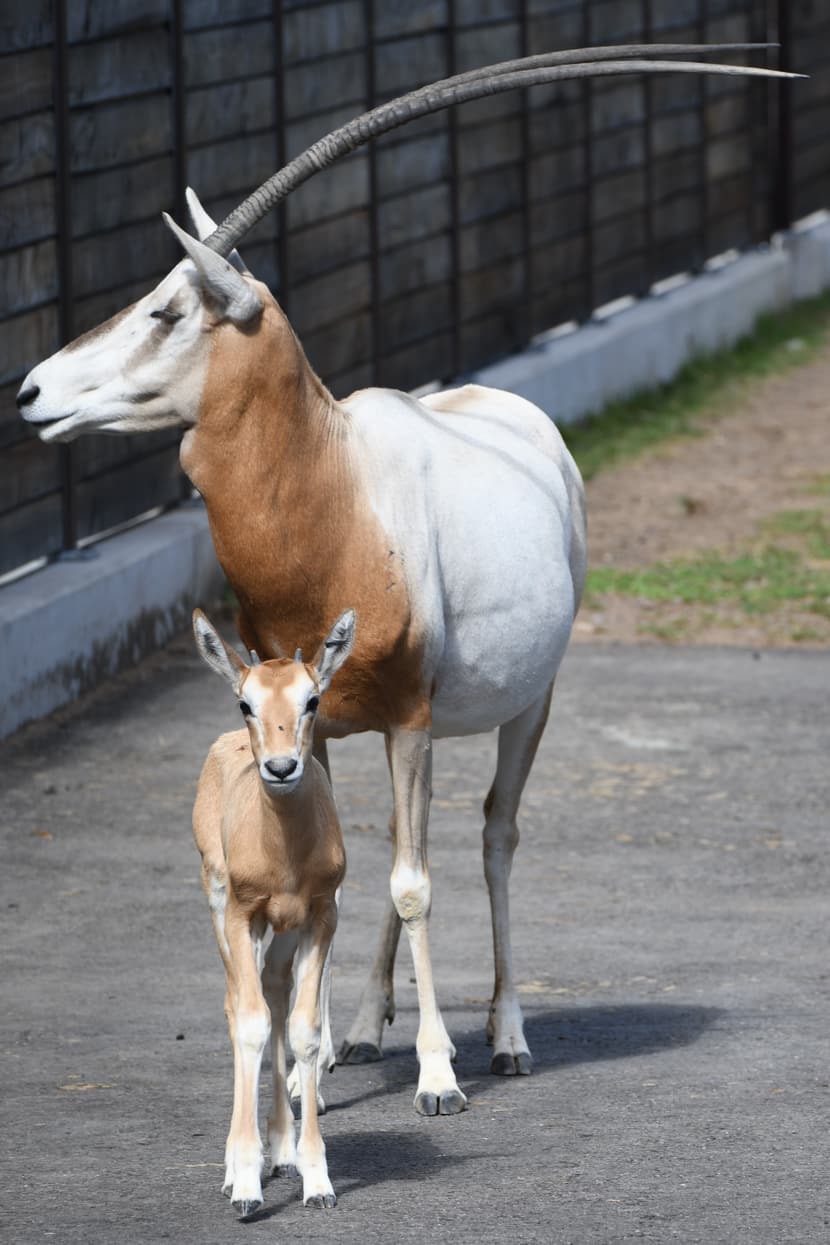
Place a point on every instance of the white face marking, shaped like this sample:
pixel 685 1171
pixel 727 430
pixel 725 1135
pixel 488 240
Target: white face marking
pixel 137 373
pixel 278 722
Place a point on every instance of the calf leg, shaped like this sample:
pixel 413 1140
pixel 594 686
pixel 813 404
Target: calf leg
pixel 518 741
pixel 250 1023
pixel 276 984
pixel 327 1060
pixel 411 761
pixel 304 1031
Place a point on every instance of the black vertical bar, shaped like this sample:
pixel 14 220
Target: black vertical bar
pixel 63 207
pixel 589 288
pixel 376 323
pixel 524 320
pixel 703 29
pixel 179 122
pixel 647 277
pixel 178 102
pixel 760 217
pixel 456 361
pixel 282 154
pixel 783 208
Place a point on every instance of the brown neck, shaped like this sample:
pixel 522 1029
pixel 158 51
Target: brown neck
pixel 269 455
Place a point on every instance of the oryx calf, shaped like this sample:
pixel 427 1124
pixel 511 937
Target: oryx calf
pixel 272 856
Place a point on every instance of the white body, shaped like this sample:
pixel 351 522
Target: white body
pixel 478 489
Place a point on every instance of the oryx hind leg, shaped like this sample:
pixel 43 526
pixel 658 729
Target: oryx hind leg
pixel 363 1042
pixel 518 741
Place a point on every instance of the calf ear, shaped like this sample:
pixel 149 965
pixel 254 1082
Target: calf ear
pixel 335 648
pixel 218 655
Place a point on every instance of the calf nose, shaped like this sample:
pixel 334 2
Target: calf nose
pixel 26 396
pixel 281 767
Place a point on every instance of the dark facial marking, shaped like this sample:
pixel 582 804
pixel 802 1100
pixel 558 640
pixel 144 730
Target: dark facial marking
pixel 99 329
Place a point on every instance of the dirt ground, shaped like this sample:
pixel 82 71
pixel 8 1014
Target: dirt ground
pixel 766 451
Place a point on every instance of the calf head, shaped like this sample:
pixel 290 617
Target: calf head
pixel 279 699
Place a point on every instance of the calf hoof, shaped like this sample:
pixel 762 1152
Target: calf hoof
pixel 360 1052
pixel 321 1201
pixel 508 1064
pixel 246 1209
pixel 450 1102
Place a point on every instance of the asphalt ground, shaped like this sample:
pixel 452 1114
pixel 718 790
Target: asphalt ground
pixel 670 912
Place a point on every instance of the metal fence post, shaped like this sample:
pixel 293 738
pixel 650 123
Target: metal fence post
pixel 282 153
pixel 782 207
pixel 63 210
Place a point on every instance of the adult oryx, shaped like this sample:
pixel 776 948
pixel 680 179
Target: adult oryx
pixel 454 524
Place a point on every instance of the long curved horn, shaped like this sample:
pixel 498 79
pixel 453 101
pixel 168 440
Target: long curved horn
pixel 584 56
pixel 489 80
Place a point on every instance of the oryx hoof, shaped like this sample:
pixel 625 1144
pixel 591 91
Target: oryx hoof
pixel 449 1102
pixel 508 1064
pixel 297 1106
pixel 287 1170
pixel 360 1052
pixel 247 1208
pixel 321 1201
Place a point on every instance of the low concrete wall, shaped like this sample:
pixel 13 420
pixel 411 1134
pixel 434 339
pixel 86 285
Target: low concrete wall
pixel 74 623
pixel 67 627
pixel 646 345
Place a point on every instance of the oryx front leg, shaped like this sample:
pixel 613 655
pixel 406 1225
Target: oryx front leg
pixel 250 1024
pixel 304 1032
pixel 518 741
pixel 410 757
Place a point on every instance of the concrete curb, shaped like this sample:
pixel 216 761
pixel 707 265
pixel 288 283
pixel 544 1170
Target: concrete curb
pixel 72 624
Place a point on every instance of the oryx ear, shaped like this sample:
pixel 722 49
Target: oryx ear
pixel 335 648
pixel 205 225
pixel 218 655
pixel 236 296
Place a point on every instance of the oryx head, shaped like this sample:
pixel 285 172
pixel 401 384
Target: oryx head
pixel 144 368
pixel 278 699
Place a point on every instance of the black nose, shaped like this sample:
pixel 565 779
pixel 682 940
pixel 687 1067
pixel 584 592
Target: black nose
pixel 28 395
pixel 281 768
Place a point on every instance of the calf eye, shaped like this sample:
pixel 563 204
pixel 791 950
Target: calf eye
pixel 246 708
pixel 312 705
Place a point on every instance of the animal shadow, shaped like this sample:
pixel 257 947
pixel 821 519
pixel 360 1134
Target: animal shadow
pixel 560 1038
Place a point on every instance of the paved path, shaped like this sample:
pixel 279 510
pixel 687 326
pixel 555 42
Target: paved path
pixel 670 909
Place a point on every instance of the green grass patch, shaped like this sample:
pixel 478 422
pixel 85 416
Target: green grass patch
pixel 757 582
pixel 701 391
pixel 809 524
pixel 819 486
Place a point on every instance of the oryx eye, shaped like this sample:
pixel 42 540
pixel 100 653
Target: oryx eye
pixel 167 314
pixel 246 708
pixel 313 704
